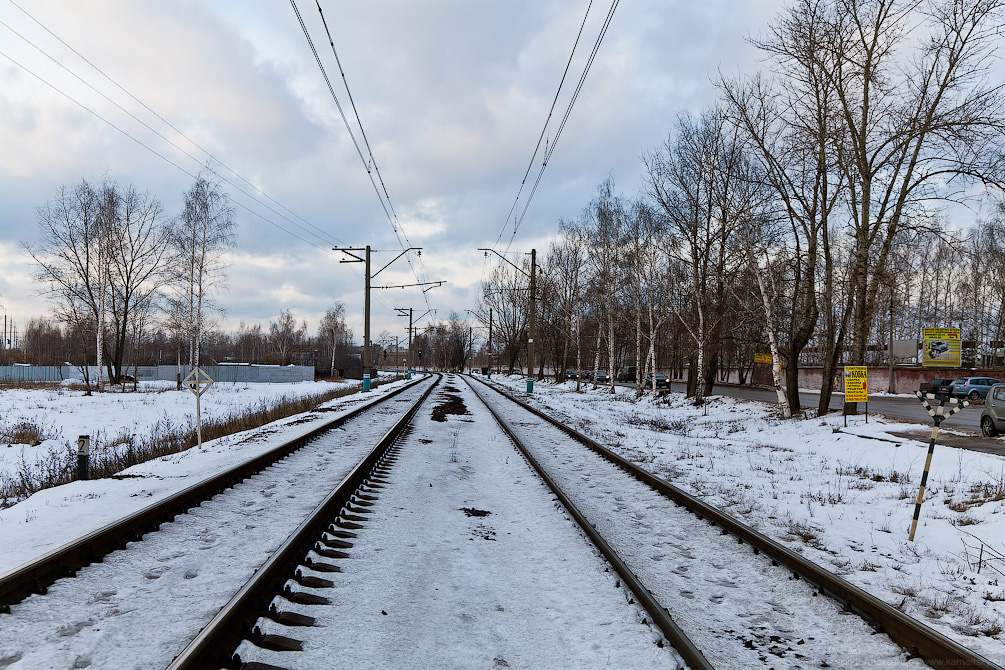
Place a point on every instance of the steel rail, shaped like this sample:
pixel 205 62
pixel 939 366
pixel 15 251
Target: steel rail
pixel 935 648
pixel 214 646
pixel 677 638
pixel 36 575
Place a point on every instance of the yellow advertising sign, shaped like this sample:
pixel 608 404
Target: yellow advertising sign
pixel 856 384
pixel 940 347
pixel 763 358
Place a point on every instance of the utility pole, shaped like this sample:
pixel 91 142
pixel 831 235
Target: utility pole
pixel 401 312
pixel 367 371
pixel 531 319
pixel 490 343
pixel 353 258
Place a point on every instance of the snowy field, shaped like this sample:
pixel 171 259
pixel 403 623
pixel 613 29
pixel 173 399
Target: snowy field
pixel 55 516
pixel 63 413
pixel 843 497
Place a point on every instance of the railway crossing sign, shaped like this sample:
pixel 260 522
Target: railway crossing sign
pixel 197 382
pixel 938 414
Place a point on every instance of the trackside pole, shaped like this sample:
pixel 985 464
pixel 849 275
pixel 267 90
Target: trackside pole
pixel 938 415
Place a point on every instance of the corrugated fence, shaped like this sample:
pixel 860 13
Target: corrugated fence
pixel 252 374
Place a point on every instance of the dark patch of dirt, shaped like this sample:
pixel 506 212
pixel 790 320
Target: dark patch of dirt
pixel 425 441
pixel 452 389
pixel 473 511
pixel 452 404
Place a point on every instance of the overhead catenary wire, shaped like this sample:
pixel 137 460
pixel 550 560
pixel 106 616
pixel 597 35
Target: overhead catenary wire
pixel 547 120
pixel 370 166
pixel 396 226
pixel 144 145
pixel 579 87
pixel 166 122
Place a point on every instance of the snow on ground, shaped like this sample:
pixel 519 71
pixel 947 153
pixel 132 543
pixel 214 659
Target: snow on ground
pixel 467 562
pixel 844 497
pixel 55 516
pixel 64 412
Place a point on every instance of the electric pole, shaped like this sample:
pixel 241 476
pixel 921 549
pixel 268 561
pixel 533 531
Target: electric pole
pixel 531 318
pixel 353 258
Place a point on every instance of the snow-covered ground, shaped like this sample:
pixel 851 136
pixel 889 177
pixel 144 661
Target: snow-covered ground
pixel 844 497
pixel 55 516
pixel 63 413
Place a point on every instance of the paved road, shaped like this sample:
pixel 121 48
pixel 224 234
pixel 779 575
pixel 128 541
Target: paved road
pixel 903 408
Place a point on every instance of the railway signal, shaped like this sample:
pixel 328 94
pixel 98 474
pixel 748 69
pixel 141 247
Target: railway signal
pixel 938 415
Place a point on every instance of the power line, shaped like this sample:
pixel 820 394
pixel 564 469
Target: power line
pixel 371 166
pixel 550 148
pixel 145 146
pixel 325 236
pixel 565 118
pixel 547 120
pixel 396 223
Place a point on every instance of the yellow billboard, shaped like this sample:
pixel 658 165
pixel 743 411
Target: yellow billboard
pixel 940 347
pixel 856 384
pixel 763 358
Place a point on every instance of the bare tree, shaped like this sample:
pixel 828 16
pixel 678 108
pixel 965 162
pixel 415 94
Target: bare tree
pixel 922 120
pixel 201 237
pixel 333 332
pixel 102 252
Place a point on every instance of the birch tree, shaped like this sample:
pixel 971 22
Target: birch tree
pixel 201 237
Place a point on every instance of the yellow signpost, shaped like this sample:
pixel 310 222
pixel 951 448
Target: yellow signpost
pixel 856 388
pixel 856 384
pixel 940 347
pixel 763 358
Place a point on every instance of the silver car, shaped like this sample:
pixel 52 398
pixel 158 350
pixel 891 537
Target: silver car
pixel 993 416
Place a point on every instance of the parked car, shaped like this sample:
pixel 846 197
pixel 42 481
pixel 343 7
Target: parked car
pixel 993 416
pixel 936 348
pixel 975 388
pixel 627 373
pixel 942 386
pixel 661 381
pixel 571 374
pixel 602 377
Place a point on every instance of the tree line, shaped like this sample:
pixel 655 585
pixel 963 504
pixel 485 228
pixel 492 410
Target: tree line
pixel 805 214
pixel 132 286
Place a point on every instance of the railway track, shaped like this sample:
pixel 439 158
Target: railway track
pixel 439 550
pixel 726 545
pixel 210 538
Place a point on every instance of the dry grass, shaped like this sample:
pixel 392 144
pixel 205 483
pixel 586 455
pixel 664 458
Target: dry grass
pixel 112 454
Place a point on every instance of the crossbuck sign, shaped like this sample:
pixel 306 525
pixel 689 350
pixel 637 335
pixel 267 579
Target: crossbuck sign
pixel 198 382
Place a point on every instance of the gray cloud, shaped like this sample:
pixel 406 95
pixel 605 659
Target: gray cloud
pixel 452 94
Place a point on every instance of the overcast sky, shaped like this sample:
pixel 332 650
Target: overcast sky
pixel 452 94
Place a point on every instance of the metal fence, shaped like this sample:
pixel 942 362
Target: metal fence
pixel 234 374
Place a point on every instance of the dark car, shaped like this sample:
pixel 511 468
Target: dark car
pixel 975 388
pixel 571 374
pixel 627 373
pixel 938 386
pixel 587 375
pixel 661 381
pixel 602 377
pixel 993 416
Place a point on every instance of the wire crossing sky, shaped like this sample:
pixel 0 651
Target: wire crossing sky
pixel 452 95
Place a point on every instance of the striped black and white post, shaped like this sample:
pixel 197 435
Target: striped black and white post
pixel 938 414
